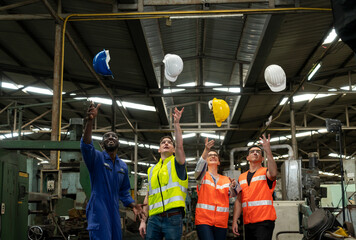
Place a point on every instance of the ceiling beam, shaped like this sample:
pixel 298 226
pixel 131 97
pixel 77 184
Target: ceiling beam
pixel 269 36
pixel 144 57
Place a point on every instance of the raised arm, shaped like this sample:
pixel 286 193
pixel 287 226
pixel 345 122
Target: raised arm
pixel 180 155
pixel 208 146
pixel 271 163
pixel 202 165
pixel 91 115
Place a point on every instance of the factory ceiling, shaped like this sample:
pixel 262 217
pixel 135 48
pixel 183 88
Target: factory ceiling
pixel 225 45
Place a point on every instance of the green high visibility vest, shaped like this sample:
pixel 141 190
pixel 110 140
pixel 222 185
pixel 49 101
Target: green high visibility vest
pixel 166 189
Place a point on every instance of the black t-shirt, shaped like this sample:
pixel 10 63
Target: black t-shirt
pixel 250 175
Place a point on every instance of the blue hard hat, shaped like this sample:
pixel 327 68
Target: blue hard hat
pixel 101 63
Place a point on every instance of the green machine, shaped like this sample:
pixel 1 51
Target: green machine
pixel 13 195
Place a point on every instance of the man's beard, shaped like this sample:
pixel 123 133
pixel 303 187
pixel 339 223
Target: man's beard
pixel 111 148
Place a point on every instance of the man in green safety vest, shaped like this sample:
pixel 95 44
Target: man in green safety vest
pixel 167 189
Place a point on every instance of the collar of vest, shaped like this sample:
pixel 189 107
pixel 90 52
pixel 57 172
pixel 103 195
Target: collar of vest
pixel 168 159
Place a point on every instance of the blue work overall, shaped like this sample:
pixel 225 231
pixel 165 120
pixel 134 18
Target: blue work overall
pixel 109 184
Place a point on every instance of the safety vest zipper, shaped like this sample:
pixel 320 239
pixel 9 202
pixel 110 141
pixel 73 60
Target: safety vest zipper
pixel 160 189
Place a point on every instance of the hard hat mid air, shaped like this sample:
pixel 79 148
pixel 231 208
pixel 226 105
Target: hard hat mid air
pixel 173 66
pixel 221 110
pixel 275 78
pixel 101 63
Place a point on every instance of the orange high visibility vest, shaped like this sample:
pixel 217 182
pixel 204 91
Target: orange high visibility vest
pixel 213 202
pixel 257 200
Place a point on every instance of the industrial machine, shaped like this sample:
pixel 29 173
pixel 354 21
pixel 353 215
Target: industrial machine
pixel 13 195
pixel 315 222
pixel 40 203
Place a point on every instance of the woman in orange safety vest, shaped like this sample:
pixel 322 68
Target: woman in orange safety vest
pixel 214 190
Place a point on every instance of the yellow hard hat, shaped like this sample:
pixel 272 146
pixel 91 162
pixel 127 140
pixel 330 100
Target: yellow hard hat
pixel 220 110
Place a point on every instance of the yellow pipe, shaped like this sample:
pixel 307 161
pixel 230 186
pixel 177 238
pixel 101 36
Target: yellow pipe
pixel 111 19
pixel 146 15
pixel 201 12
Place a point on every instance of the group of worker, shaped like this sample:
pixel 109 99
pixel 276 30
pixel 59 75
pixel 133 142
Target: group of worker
pixel 163 209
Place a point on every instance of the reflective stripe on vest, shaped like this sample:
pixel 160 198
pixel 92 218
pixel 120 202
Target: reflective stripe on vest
pixel 213 202
pixel 212 208
pixel 222 209
pixel 243 182
pixel 226 185
pixel 208 182
pixel 257 203
pixel 205 206
pixel 256 197
pixel 169 200
pixel 168 186
pixel 258 178
pixel 169 191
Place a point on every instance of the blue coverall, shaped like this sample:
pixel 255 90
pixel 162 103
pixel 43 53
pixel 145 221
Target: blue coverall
pixel 109 184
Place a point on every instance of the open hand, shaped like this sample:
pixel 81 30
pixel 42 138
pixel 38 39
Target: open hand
pixel 177 114
pixel 92 111
pixel 209 144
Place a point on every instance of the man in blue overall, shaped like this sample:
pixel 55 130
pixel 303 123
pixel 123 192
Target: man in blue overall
pixel 109 183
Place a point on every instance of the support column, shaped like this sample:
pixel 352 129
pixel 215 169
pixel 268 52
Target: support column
pixel 56 94
pixel 135 165
pixel 293 130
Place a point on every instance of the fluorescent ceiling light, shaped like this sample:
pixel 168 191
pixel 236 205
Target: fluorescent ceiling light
pixel 13 135
pixel 141 174
pixel 306 97
pixel 282 156
pixel 191 173
pixel 243 163
pixel 346 88
pixel 190 159
pixel 188 135
pixel 232 89
pixel 10 85
pixel 139 163
pixel 287 137
pixel 28 89
pixel 108 101
pixel 331 37
pixel 338 156
pixel 138 106
pixel 130 143
pixel 212 84
pixel 212 136
pixel 168 91
pixel 105 101
pixel 96 137
pixel 38 90
pixel 191 84
pixel 317 67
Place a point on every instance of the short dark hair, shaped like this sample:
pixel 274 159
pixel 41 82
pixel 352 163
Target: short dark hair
pixel 167 137
pixel 258 146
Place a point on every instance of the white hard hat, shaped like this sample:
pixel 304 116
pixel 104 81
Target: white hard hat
pixel 173 67
pixel 275 78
